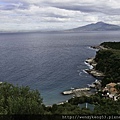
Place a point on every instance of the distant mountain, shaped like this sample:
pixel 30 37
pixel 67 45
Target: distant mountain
pixel 99 26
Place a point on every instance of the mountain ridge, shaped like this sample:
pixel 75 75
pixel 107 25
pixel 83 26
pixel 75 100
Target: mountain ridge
pixel 99 26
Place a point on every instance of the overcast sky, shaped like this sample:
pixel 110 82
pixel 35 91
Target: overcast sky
pixel 56 14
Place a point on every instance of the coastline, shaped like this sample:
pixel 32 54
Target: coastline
pixel 99 47
pixel 92 71
pixel 91 63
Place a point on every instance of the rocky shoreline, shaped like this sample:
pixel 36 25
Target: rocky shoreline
pixel 93 71
pixel 99 47
pixel 91 61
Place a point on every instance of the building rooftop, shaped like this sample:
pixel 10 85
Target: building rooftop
pixel 111 85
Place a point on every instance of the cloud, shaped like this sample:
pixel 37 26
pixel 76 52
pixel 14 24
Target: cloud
pixel 55 14
pixel 90 6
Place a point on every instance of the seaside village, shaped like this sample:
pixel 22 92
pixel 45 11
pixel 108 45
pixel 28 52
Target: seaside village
pixel 109 91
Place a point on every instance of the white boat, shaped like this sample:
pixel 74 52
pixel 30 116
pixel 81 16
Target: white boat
pixel 91 85
pixel 72 88
pixel 1 82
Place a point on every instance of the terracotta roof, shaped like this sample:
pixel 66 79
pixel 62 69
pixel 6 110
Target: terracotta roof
pixel 113 90
pixel 111 84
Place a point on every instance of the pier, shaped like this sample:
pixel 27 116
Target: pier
pixel 87 91
pixel 77 90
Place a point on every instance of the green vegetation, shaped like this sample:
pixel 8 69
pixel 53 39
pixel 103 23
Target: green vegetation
pixel 19 100
pixel 113 45
pixel 102 106
pixel 63 109
pixel 108 62
pixel 22 100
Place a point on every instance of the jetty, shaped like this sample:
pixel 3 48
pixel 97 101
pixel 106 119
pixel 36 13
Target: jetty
pixel 75 90
pixel 67 92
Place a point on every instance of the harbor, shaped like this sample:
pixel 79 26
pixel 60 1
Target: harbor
pixel 86 91
pixel 72 91
pixel 78 92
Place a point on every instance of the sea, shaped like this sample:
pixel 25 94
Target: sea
pixel 51 62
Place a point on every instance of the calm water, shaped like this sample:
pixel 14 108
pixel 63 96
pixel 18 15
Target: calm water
pixel 49 62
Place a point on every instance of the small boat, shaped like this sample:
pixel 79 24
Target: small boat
pixel 91 85
pixel 1 82
pixel 72 88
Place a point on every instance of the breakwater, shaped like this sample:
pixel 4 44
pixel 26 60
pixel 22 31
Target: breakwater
pixel 75 90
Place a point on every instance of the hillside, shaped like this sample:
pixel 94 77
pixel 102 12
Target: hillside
pixel 108 62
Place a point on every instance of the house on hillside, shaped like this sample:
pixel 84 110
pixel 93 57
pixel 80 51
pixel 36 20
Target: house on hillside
pixel 111 85
pixel 110 91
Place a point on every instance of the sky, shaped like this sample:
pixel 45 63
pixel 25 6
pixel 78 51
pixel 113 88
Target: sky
pixel 25 15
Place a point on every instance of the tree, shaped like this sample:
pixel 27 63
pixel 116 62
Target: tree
pixel 19 100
